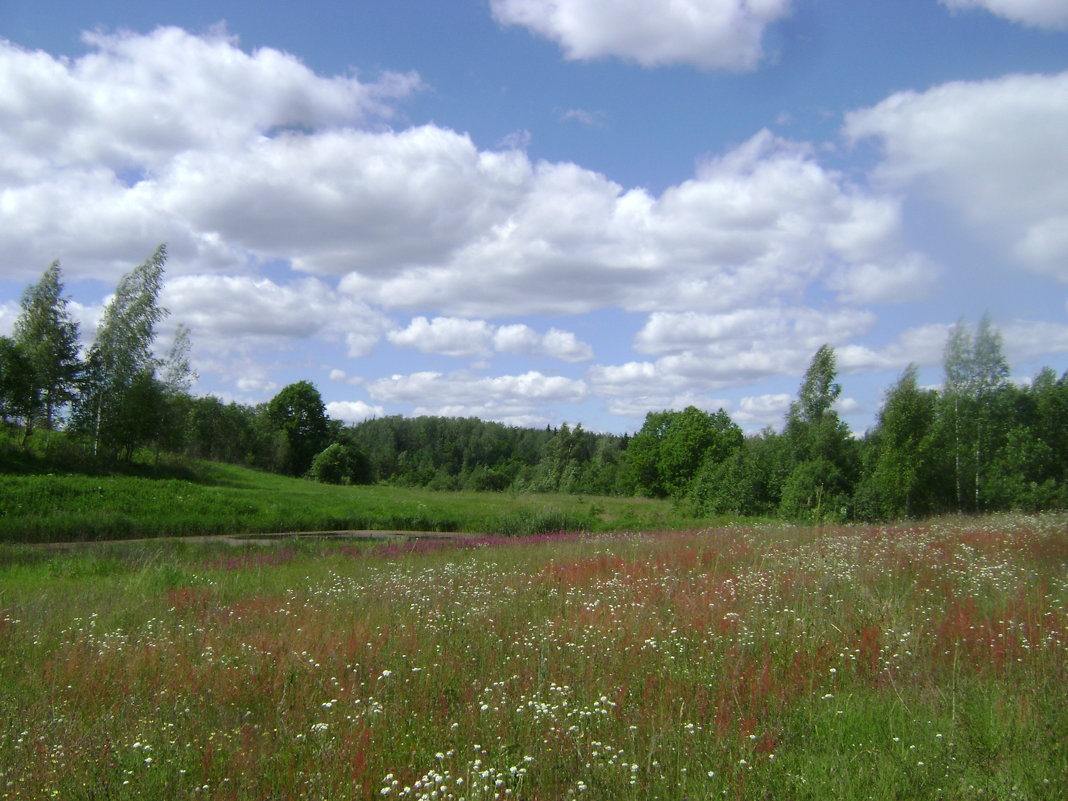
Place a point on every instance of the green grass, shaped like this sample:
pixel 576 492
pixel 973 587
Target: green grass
pixel 905 662
pixel 208 498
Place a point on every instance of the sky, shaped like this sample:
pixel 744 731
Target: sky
pixel 547 211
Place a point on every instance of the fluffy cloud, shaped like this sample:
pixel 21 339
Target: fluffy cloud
pixel 265 162
pixel 764 220
pixel 452 336
pixel 107 125
pixel 353 411
pixel 921 344
pixel 512 399
pixel 449 336
pixel 910 278
pixel 1040 13
pixel 711 34
pixel 227 313
pixel 9 312
pixel 136 100
pixel 465 389
pixel 763 410
pixel 730 334
pixel 701 353
pixel 993 151
pixel 555 343
pixel 1029 339
pixel 343 200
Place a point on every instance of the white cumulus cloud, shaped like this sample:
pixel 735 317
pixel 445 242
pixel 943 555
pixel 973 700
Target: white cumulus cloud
pixel 108 125
pixel 267 162
pixel 764 220
pixel 521 400
pixel 450 336
pixel 353 411
pixel 465 389
pixel 711 34
pixel 453 336
pixel 228 312
pixel 1039 13
pixel 994 151
pixel 763 410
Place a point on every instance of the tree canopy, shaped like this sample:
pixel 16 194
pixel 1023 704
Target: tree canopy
pixel 978 443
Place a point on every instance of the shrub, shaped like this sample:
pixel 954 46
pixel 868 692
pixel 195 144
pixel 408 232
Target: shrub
pixel 340 464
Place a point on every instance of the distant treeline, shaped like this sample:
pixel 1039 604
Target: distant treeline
pixel 979 443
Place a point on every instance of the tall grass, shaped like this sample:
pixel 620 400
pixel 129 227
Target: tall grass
pixel 211 498
pixel 922 662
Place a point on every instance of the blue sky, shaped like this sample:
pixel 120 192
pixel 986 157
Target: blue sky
pixel 543 211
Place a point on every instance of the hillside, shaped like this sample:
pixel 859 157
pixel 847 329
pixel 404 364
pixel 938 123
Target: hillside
pixel 211 498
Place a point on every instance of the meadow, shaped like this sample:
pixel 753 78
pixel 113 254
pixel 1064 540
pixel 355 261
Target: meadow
pixel 42 504
pixel 925 661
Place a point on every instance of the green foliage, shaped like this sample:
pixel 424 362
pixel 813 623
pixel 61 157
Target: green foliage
pixel 899 480
pixel 816 491
pixel 340 464
pixel 48 337
pixel 299 414
pixel 119 390
pixel 42 503
pixel 980 444
pixel 823 455
pixel 748 482
pixel 18 396
pixel 664 458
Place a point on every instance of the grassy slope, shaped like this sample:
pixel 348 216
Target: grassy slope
pixel 225 499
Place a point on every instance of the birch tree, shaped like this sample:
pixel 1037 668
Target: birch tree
pixel 118 396
pixel 975 373
pixel 48 337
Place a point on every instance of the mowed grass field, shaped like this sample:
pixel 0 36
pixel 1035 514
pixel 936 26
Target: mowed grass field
pixel 904 662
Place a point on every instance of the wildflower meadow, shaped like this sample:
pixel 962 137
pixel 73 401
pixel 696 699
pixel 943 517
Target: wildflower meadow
pixel 925 661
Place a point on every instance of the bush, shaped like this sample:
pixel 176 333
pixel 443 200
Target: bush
pixel 340 464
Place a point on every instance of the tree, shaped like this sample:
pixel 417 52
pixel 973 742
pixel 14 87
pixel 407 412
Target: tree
pixel 812 425
pixel 48 337
pixel 298 413
pixel 565 464
pixel 898 455
pixel 642 458
pixel 823 464
pixel 1029 468
pixel 177 373
pixel 340 464
pixel 18 396
pixel 975 372
pixel 694 438
pixel 121 364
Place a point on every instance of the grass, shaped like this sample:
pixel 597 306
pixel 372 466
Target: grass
pixel 905 662
pixel 208 498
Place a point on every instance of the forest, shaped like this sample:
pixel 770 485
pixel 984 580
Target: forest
pixel 978 443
